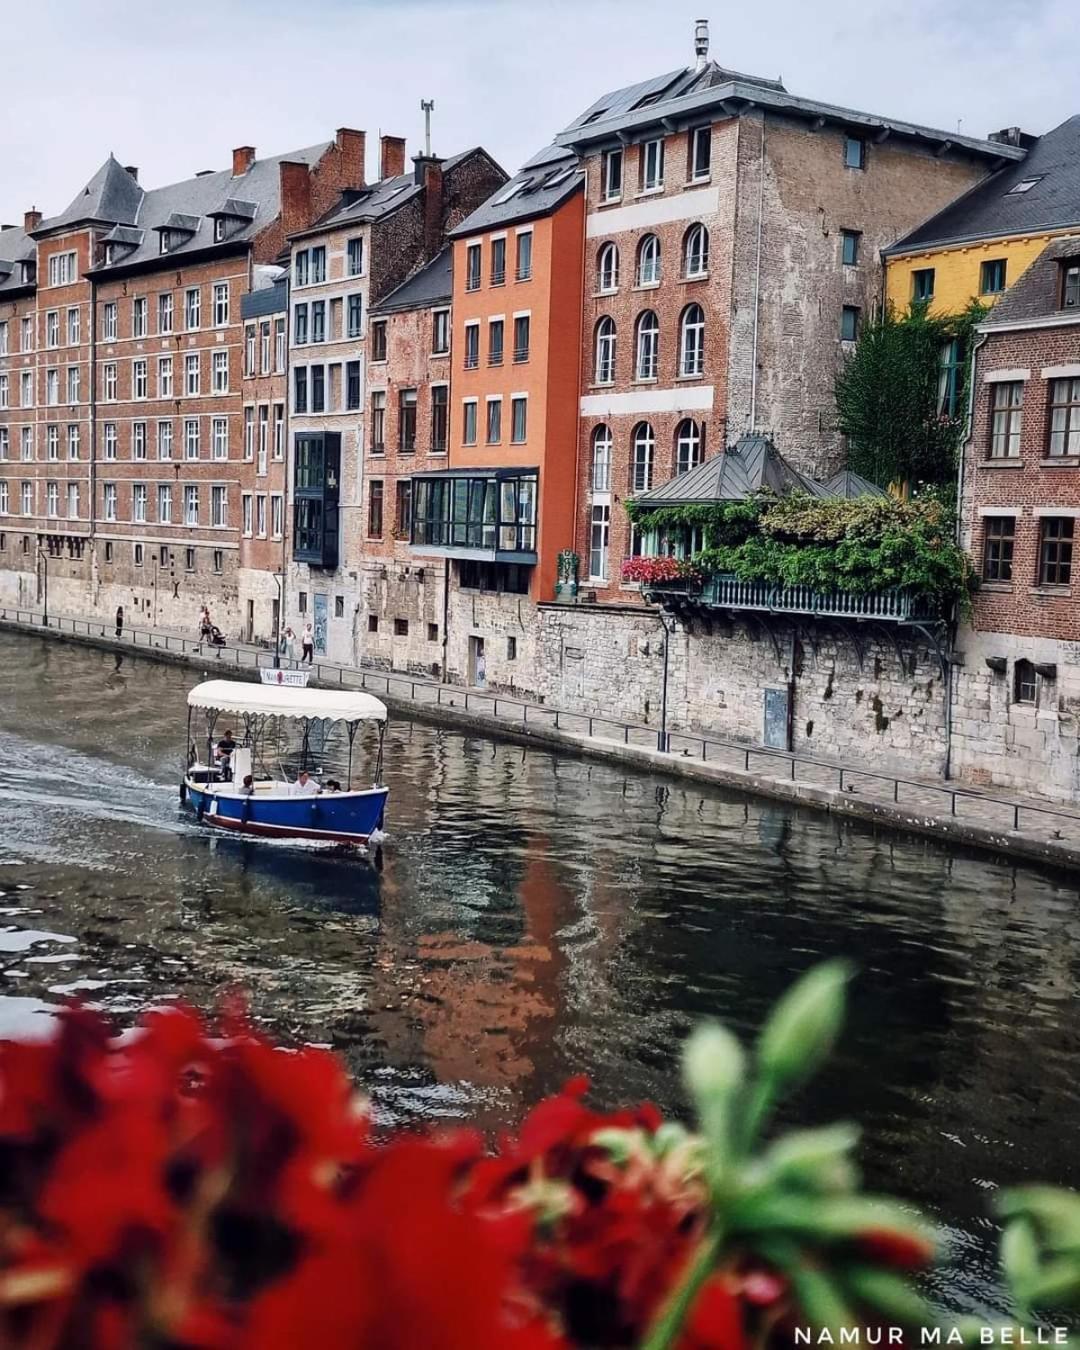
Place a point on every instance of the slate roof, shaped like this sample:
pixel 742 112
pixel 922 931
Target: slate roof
pixel 848 484
pixel 433 284
pixel 752 464
pixel 112 194
pixel 15 247
pixel 682 96
pixel 989 210
pixel 548 179
pixel 270 295
pixel 1036 293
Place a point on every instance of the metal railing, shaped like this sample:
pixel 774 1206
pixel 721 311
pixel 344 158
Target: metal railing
pixel 729 592
pixel 962 804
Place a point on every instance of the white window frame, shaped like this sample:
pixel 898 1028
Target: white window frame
pixel 165 377
pixel 219 438
pixel 220 373
pixel 192 374
pixel 139 380
pixel 221 304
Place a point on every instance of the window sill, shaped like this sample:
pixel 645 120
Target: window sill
pixel 650 191
pixel 602 384
pixel 1060 462
pixel 646 286
pixel 698 182
pixel 1051 591
pixel 646 379
pixel 695 276
pixel 1011 462
pixel 611 201
pixel 698 375
pixel 995 587
pixel 603 295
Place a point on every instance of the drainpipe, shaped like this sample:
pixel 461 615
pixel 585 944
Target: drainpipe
pixel 287 504
pixel 445 619
pixel 576 523
pixel 662 740
pixel 757 281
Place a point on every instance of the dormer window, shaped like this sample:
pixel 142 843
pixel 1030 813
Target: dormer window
pixel 110 254
pixel 1070 284
pixel 29 273
pixel 167 241
pixel 219 229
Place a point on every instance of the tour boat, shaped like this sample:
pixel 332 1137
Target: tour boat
pixel 261 715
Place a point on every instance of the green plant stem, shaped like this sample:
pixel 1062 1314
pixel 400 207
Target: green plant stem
pixel 665 1331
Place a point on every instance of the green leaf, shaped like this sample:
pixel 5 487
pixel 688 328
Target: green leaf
pixel 713 1069
pixel 888 1293
pixel 1020 1255
pixel 814 1160
pixel 1054 1210
pixel 821 1299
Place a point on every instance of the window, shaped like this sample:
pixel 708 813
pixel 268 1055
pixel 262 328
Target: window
pixel 4 443
pixel 28 444
pixel 26 390
pixel 219 438
pixel 472 346
pixel 318 321
pixel 601 458
pixel 260 515
pixel 310 266
pixel 52 388
pixel 247 508
pixel 375 509
pixel 605 351
pixel 642 455
pixel 652 165
pixel 138 503
pixel 378 340
pixel 692 341
pixel 992 277
pixel 494 420
pixel 440 332
pixel 468 425
pixel 189 553
pixel 355 318
pixel 72 384
pixel 138 440
pixel 854 152
pixel 279 431
pixel 108 321
pixel 52 328
pixel 339 606
pixel 607 268
pixel 849 247
pixel 221 304
pixel 4 390
pixel 191 505
pixel 109 441
pixel 401 628
pixel 433 632
pixel 318 265
pixel 922 283
pixel 301 268
pixel 221 372
pixel 1064 417
pixel 696 252
pixel 519 413
pixel 277 515
pixel 687 446
pixel 192 374
pixel 164 503
pixel 407 420
pixel 950 378
pixel 496 327
pixel 249 349
pixel 300 325
pixel 440 418
pixel 352 385
pixel 318 389
pixel 404 506
pixel 28 499
pixel 191 438
pixel 192 308
pixel 165 377
pixel 5 501
pixel 73 501
pixel 498 261
pixel 1055 550
pixel 523 267
pixel 249 432
pixel 354 257
pixel 612 180
pixel 599 532
pixel 264 348
pixel 165 313
pixel 1006 415
pixel 301 601
pixel 472 267
pixel 52 499
pixel 373 623
pixel 164 440
pixel 1070 285
pixel 264 427
pixel 378 422
pixel 137 554
pixel 1024 684
pixel 521 338
pixel 849 323
pixel 648 261
pixel 998 540
pixel 140 323
pixel 647 357
pixel 62 269
pixel 700 153
pixel 279 346
pixel 3 337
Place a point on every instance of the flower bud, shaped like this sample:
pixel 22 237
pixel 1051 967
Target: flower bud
pixel 803 1025
pixel 713 1063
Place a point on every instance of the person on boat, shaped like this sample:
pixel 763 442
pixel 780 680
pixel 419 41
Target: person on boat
pixel 331 785
pixel 305 785
pixel 307 643
pixel 225 748
pixel 247 788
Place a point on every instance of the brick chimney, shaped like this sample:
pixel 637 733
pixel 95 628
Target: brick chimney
pixel 352 146
pixel 391 156
pixel 243 157
pixel 427 171
pixel 295 183
pixel 31 220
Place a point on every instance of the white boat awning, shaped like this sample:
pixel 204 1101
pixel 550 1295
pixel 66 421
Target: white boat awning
pixel 272 700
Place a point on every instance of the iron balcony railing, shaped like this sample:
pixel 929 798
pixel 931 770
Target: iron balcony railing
pixel 729 592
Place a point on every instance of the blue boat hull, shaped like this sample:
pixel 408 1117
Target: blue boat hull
pixel 334 817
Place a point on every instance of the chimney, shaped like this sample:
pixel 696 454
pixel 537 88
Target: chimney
pixel 701 43
pixel 31 220
pixel 295 181
pixel 352 147
pixel 1013 136
pixel 243 157
pixel 391 156
pixel 132 169
pixel 427 172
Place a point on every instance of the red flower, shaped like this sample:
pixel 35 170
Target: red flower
pixel 903 1251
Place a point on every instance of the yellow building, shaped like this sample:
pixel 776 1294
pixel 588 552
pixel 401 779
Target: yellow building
pixel 979 245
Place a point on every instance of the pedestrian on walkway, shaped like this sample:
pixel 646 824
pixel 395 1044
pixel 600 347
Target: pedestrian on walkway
pixel 288 644
pixel 205 626
pixel 307 643
pixel 119 620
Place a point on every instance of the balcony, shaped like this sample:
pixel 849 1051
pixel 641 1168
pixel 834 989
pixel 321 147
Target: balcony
pixel 729 592
pixel 316 476
pixel 485 514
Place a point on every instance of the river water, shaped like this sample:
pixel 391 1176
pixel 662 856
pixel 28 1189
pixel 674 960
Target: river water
pixel 539 916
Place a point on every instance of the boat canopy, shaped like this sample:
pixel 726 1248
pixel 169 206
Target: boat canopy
pixel 275 700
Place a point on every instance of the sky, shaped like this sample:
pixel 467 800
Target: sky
pixel 172 88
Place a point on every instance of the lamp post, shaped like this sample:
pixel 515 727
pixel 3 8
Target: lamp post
pixel 279 581
pixel 662 735
pixel 45 574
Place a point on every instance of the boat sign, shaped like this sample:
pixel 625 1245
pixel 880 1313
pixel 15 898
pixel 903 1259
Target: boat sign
pixel 296 679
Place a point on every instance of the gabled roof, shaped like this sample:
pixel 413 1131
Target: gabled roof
pixel 432 285
pixel 550 177
pixel 1037 293
pixel 995 207
pixel 112 194
pixel 16 247
pixel 849 484
pixel 753 464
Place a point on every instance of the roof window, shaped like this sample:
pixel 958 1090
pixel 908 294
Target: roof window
pixel 1025 185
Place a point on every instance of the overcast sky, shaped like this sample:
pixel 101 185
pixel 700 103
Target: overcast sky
pixel 172 88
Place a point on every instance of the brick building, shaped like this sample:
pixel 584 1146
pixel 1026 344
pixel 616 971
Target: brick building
pixel 733 233
pixel 370 241
pixel 1018 692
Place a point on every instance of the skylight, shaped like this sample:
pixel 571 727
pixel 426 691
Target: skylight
pixel 594 116
pixel 511 191
pixel 1025 185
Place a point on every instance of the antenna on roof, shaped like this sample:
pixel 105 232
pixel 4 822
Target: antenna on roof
pixel 701 43
pixel 427 106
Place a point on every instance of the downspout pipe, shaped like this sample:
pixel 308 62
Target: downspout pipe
pixel 757 282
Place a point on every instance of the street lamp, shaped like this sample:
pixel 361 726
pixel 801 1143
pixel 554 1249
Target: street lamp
pixel 279 581
pixel 45 571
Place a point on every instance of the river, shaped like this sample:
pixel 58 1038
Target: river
pixel 538 916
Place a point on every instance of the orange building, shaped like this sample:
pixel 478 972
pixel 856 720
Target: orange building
pixel 504 509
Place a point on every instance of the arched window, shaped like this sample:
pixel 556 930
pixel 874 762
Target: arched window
pixel 1024 682
pixel 696 251
pixel 607 268
pixel 648 261
pixel 647 358
pixel 687 445
pixel 601 459
pixel 692 341
pixel 605 351
pixel 642 457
